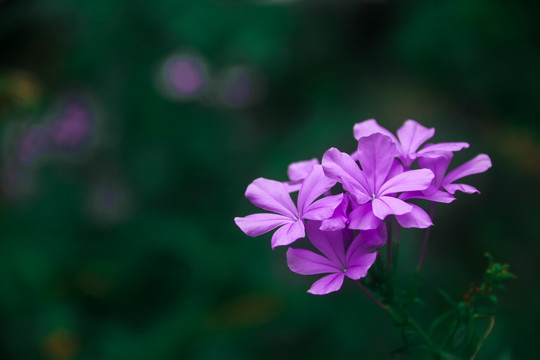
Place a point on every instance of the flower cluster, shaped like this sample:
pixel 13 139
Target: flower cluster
pixel 377 182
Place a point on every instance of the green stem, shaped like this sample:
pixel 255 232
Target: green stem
pixel 389 246
pixel 452 335
pixel 396 250
pixel 414 288
pixel 398 319
pixel 423 335
pixel 486 334
pixel 396 240
pixel 426 237
pixel 371 296
pixel 389 262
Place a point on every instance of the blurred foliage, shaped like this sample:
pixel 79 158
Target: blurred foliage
pixel 121 244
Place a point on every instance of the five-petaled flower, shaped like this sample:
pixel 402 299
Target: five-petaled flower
pixel 274 196
pixel 374 187
pixel 343 256
pixel 377 181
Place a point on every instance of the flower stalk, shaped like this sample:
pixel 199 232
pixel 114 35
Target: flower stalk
pixel 426 237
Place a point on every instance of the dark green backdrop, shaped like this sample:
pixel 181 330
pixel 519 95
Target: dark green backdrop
pixel 120 244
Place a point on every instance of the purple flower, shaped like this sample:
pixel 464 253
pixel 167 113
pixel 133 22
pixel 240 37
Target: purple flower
pixel 441 182
pixel 185 75
pixel 239 87
pixel 274 196
pixel 342 256
pixel 33 144
pixel 439 166
pixel 339 218
pixel 410 137
pixel 297 172
pixel 374 187
pixel 73 128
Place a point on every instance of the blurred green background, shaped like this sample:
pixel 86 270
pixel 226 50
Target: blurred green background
pixel 130 130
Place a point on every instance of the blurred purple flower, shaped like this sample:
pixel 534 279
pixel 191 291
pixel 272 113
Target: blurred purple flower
pixel 33 144
pixel 73 128
pixel 239 87
pixel 69 131
pixel 109 201
pixel 184 75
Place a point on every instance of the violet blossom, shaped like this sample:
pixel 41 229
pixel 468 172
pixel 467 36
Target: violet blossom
pixel 376 181
pixel 410 137
pixel 439 166
pixel 274 196
pixel 342 256
pixel 374 187
pixel 297 172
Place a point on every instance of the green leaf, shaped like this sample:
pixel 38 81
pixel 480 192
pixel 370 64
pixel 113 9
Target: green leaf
pixel 417 300
pixel 494 299
pixel 486 310
pixel 440 320
pixel 460 335
pixel 448 356
pixel 472 330
pixel 446 297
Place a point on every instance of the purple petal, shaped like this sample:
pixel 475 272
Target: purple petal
pixel 272 196
pixel 429 194
pixel 305 262
pixel 314 186
pixel 438 165
pixel 408 181
pixel 477 165
pixel 330 243
pixel 396 169
pixel 386 205
pixel 292 186
pixel 431 150
pixel 341 167
pixel 360 265
pixel 339 218
pixel 354 155
pixel 376 154
pixel 327 284
pixel 411 135
pixel 417 218
pixel 366 242
pixel 300 170
pixel 452 188
pixel 368 127
pixel 372 239
pixel 334 223
pixel 362 218
pixel 257 224
pixel 324 208
pixel 288 233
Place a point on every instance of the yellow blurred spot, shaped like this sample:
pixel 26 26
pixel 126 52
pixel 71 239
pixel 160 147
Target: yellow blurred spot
pixel 21 86
pixel 93 284
pixel 246 311
pixel 517 145
pixel 19 91
pixel 24 87
pixel 60 345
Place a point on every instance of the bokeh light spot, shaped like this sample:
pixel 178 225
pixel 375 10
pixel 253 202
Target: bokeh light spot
pixel 183 76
